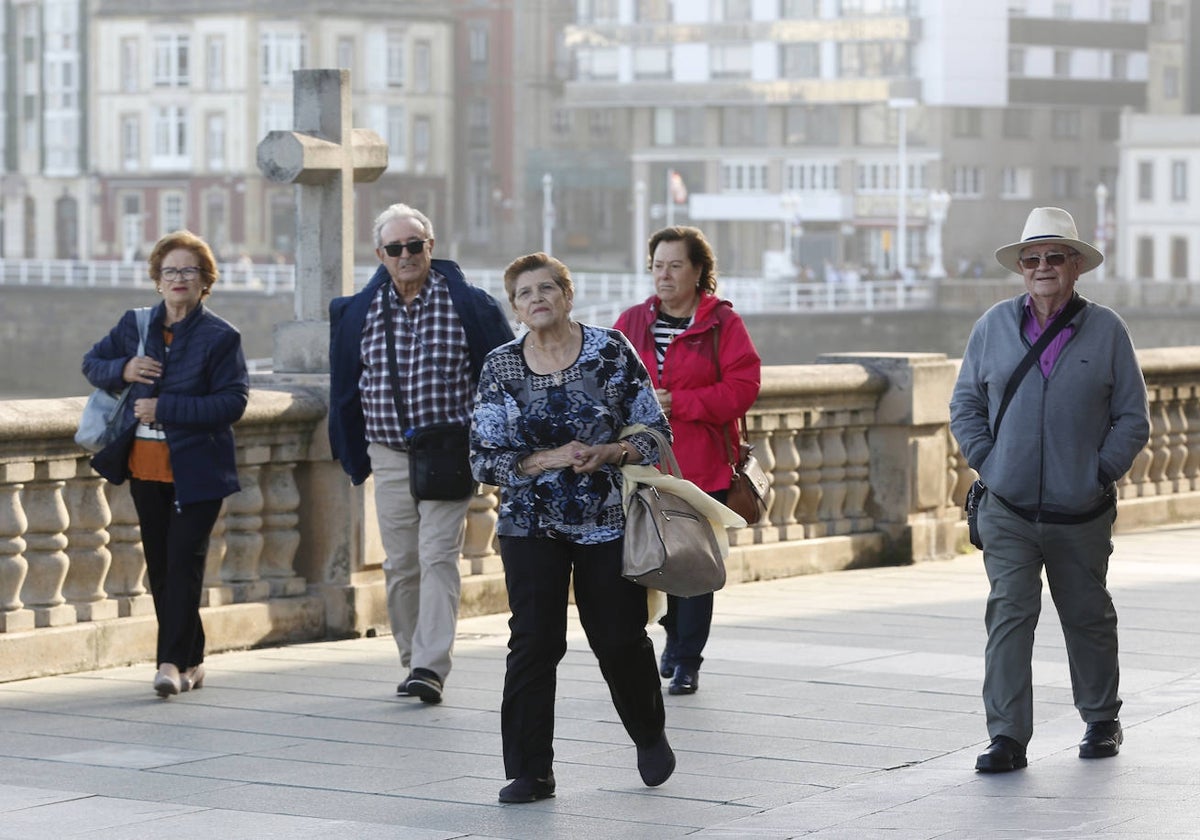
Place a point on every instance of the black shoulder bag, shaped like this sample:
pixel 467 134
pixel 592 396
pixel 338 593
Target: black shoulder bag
pixel 439 465
pixel 975 494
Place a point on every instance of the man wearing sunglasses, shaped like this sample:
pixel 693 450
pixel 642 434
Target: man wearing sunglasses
pixel 383 389
pixel 1076 420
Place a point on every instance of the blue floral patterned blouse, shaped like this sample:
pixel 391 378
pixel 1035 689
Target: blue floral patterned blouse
pixel 518 412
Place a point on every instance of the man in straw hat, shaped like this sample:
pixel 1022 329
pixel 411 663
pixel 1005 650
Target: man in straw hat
pixel 1077 418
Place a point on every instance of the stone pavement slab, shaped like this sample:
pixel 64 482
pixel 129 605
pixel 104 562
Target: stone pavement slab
pixel 843 705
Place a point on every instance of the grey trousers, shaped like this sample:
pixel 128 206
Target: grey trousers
pixel 1075 558
pixel 423 542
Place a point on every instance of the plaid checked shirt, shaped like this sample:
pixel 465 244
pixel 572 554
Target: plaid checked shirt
pixel 432 364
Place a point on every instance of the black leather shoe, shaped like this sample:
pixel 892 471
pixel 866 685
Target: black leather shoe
pixel 1002 756
pixel 656 762
pixel 528 789
pixel 666 665
pixel 1102 739
pixel 424 684
pixel 685 681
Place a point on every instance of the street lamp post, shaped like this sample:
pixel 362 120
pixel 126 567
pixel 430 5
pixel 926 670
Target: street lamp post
pixel 639 224
pixel 547 212
pixel 791 227
pixel 939 206
pixel 902 106
pixel 1101 226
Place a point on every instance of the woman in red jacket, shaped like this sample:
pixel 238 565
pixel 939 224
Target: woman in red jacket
pixel 706 373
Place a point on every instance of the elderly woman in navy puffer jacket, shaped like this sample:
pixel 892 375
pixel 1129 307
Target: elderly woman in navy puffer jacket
pixel 189 387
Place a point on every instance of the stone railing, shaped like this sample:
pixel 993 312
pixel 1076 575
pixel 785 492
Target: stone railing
pixel 864 472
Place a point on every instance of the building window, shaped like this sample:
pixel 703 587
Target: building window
pixel 422 139
pixel 1179 180
pixel 171 61
pixel 1062 10
pixel 562 121
pixel 812 125
pixel 600 123
pixel 1119 11
pixel 653 11
pixel 1016 182
pixel 422 67
pixel 171 212
pixel 274 116
pixel 1018 123
pixel 968 122
pixel 744 126
pixel 1170 86
pixel 1179 258
pixel 678 126
pixel 477 44
pixel 872 59
pixel 597 11
pixel 967 181
pixel 131 142
pixel 1064 181
pixel 170 138
pixel 735 9
pixel 1064 123
pixel 1119 68
pixel 396 134
pixel 395 58
pixel 129 64
pixel 1016 61
pixel 1110 125
pixel 479 123
pixel 799 9
pixel 214 59
pixel 1062 64
pixel 598 64
pixel 1145 180
pixel 280 53
pixel 214 141
pixel 800 61
pixel 1145 258
pixel 743 176
pixel 730 61
pixel 652 63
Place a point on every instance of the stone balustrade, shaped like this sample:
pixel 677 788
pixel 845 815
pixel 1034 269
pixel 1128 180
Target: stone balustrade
pixel 864 472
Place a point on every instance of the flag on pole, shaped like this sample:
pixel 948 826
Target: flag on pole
pixel 678 189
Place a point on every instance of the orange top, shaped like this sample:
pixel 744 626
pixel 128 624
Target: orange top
pixel 150 460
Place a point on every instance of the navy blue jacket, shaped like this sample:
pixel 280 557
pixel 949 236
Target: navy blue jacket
pixel 202 393
pixel 482 320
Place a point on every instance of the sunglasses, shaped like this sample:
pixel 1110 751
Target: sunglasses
pixel 1053 259
pixel 396 249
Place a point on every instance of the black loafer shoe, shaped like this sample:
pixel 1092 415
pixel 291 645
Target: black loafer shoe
pixel 685 681
pixel 1102 739
pixel 528 789
pixel 402 688
pixel 656 762
pixel 424 684
pixel 666 666
pixel 1002 756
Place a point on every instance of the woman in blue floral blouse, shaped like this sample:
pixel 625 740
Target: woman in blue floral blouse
pixel 550 407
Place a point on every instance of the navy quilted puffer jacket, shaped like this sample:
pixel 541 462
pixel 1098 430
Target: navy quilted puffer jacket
pixel 202 393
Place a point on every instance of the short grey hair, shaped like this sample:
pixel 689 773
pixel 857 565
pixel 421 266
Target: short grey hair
pixel 401 211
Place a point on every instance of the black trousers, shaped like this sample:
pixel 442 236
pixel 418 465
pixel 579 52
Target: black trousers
pixel 175 541
pixel 612 610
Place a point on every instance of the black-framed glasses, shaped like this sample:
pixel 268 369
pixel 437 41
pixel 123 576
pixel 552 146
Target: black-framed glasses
pixel 188 273
pixel 413 246
pixel 1053 259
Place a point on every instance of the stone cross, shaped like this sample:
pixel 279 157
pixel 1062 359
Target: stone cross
pixel 324 156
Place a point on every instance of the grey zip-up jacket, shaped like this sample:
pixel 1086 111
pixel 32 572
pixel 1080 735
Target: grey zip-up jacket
pixel 1064 438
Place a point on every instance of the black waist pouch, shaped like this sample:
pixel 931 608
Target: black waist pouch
pixel 439 467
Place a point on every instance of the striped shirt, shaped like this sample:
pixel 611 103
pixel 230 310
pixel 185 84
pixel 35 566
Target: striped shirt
pixel 433 364
pixel 665 330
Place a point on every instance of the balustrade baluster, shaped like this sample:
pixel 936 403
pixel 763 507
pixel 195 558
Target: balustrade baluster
pixel 1177 451
pixel 858 477
pixel 14 617
pixel 833 483
pixel 482 514
pixel 281 537
pixel 126 581
pixel 87 547
pixel 1159 433
pixel 216 592
pixel 807 478
pixel 1191 413
pixel 45 541
pixel 244 539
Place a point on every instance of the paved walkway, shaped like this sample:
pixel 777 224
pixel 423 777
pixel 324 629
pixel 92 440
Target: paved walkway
pixel 843 706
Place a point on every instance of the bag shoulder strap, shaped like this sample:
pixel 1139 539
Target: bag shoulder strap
pixel 666 455
pixel 142 313
pixel 731 454
pixel 1073 306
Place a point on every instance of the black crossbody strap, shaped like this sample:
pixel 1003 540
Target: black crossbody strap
pixel 393 367
pixel 1074 305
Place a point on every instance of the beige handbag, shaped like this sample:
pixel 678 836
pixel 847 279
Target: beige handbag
pixel 669 544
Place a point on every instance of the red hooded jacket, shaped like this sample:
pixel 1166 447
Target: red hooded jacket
pixel 701 406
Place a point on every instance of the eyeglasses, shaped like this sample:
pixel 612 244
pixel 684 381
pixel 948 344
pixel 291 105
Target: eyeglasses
pixel 396 249
pixel 188 273
pixel 1053 259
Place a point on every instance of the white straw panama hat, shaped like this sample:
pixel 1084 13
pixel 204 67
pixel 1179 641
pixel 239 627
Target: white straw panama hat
pixel 1049 225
